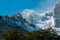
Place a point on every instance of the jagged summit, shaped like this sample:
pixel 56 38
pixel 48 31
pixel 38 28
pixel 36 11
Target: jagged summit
pixel 57 14
pixel 57 17
pixel 30 20
pixel 57 11
pixel 16 20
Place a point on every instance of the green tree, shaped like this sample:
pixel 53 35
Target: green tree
pixel 58 37
pixel 46 34
pixel 0 17
pixel 16 34
pixel 13 34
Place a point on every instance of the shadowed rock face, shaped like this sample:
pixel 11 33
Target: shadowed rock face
pixel 15 21
pixel 57 15
pixel 57 11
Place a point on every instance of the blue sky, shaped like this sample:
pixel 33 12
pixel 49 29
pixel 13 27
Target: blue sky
pixel 8 7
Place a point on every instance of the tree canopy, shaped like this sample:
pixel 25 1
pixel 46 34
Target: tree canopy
pixel 16 34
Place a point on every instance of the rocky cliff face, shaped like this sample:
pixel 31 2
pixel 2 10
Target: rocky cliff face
pixel 57 14
pixel 57 11
pixel 15 21
pixel 57 17
pixel 7 22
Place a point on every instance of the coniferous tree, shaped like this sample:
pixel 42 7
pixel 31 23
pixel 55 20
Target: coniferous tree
pixel 46 34
pixel 13 34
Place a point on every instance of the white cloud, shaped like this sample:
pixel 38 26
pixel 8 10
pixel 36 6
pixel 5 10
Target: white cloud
pixel 38 17
pixel 58 1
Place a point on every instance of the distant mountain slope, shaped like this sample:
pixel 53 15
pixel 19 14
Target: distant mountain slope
pixel 30 20
pixel 57 14
pixel 15 21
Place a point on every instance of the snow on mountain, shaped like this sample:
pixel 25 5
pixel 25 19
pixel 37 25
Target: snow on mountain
pixel 57 14
pixel 30 20
pixel 46 19
pixel 57 17
pixel 14 21
pixel 42 20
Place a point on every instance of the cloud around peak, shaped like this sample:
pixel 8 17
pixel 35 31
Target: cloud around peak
pixel 46 18
pixel 41 16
